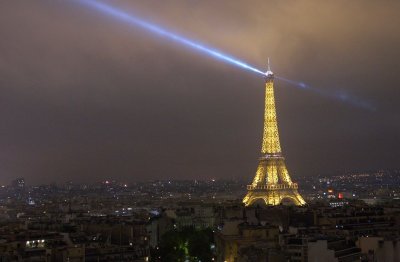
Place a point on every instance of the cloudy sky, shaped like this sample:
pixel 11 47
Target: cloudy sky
pixel 86 97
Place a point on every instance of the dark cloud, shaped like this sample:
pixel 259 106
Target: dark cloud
pixel 85 97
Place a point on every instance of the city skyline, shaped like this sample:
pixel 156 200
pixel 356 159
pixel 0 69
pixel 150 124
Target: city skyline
pixel 87 98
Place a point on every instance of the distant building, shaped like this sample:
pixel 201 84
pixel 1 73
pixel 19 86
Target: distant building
pixel 337 250
pixel 18 188
pixel 316 249
pixel 18 184
pixel 378 249
pixel 238 241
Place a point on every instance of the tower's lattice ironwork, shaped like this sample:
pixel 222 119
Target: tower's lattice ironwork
pixel 272 182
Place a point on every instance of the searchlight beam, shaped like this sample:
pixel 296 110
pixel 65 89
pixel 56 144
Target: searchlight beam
pixel 201 48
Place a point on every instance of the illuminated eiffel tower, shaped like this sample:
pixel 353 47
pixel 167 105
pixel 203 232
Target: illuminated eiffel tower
pixel 272 182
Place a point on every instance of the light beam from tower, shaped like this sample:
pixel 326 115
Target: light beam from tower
pixel 201 48
pixel 136 21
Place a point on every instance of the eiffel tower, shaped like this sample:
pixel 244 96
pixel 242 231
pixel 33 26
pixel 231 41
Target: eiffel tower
pixel 272 182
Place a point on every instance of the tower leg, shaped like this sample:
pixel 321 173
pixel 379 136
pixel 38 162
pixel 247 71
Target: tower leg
pixel 274 197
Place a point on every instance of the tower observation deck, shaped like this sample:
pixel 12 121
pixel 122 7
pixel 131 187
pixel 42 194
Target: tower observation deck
pixel 272 182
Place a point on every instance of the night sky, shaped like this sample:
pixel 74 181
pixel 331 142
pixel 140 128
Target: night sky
pixel 85 97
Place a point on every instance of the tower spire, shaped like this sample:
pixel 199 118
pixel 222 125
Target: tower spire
pixel 269 73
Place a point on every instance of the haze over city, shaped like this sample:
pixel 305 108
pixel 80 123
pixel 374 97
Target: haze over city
pixel 85 97
pixel 199 131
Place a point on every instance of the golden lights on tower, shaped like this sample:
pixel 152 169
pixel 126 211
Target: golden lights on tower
pixel 272 182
